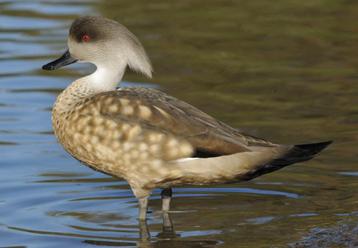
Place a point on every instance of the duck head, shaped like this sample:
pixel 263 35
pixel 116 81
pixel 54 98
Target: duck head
pixel 105 43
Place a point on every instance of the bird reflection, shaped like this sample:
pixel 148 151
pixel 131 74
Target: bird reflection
pixel 166 233
pixel 167 238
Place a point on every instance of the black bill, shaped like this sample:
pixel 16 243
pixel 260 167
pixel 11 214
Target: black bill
pixel 65 59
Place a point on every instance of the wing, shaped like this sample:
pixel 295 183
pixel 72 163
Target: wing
pixel 176 121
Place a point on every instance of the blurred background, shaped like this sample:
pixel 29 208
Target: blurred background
pixel 283 70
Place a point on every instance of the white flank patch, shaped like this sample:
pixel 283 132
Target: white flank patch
pixel 184 159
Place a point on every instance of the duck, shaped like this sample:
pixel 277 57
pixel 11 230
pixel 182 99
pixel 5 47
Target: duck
pixel 144 136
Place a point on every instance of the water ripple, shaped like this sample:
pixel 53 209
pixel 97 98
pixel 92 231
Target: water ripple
pixel 241 190
pixel 13 23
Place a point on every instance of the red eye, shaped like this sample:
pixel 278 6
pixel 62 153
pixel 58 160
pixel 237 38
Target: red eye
pixel 86 38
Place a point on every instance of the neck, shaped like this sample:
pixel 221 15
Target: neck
pixel 105 78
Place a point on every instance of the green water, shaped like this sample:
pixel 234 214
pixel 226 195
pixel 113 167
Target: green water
pixel 282 70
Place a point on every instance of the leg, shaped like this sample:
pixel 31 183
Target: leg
pixel 167 223
pixel 144 233
pixel 166 198
pixel 143 205
pixel 142 195
pixel 167 229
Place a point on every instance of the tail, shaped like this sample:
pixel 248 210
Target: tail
pixel 242 165
pixel 298 153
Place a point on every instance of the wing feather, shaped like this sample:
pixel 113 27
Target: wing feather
pixel 155 110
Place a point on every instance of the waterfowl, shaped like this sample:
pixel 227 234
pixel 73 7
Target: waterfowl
pixel 150 139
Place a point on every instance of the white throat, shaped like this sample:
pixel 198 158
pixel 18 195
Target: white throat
pixel 106 77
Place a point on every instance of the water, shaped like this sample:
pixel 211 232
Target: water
pixel 286 71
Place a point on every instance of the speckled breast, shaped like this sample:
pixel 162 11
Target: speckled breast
pixel 108 134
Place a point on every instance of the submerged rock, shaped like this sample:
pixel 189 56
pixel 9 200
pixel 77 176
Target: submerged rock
pixel 341 235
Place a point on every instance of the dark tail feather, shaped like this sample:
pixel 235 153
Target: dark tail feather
pixel 297 153
pixel 300 153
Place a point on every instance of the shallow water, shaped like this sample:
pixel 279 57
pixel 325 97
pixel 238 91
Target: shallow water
pixel 285 71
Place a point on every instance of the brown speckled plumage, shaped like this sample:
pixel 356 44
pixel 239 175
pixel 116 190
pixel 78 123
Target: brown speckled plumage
pixel 144 135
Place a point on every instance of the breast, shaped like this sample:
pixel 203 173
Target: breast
pixel 116 146
pixel 93 140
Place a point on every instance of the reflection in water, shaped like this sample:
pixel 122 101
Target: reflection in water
pixel 166 238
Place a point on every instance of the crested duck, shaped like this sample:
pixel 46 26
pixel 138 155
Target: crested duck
pixel 150 139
